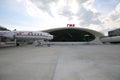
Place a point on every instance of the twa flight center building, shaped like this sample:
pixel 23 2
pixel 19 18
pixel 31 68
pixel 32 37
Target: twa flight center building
pixel 73 35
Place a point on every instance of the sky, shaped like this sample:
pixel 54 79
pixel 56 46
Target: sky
pixel 32 15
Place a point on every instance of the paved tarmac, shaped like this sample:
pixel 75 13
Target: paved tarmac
pixel 64 62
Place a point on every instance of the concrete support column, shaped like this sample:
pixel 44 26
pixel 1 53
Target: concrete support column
pixel 0 41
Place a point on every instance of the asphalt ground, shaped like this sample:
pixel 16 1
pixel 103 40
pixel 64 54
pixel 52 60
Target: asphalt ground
pixel 60 62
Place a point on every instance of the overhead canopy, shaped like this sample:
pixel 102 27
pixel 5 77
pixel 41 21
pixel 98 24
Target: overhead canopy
pixel 72 35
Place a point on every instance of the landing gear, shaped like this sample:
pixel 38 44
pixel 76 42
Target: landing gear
pixel 38 43
pixel 41 43
pixel 17 44
pixel 48 45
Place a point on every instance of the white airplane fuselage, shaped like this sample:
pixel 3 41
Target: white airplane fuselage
pixel 26 35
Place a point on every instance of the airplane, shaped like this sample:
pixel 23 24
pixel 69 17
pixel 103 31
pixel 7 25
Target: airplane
pixel 37 36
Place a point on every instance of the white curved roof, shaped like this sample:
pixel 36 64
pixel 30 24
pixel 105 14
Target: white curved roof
pixel 95 33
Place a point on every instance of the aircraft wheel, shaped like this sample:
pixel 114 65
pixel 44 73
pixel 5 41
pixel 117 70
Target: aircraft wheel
pixel 17 44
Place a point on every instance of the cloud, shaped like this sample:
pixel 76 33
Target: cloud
pixel 69 9
pixel 34 11
pixel 44 5
pixel 67 12
pixel 57 13
pixel 63 7
pixel 81 1
pixel 115 15
pixel 109 21
pixel 89 5
pixel 88 15
pixel 90 18
pixel 112 20
pixel 21 28
pixel 95 27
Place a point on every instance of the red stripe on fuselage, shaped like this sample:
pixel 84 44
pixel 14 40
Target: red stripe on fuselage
pixel 42 36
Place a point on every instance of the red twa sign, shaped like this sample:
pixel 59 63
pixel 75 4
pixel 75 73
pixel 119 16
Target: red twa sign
pixel 70 25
